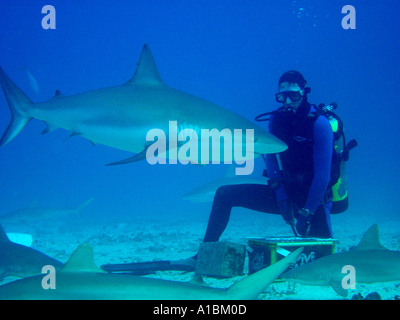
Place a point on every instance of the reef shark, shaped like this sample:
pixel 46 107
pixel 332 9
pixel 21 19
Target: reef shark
pixel 122 116
pixel 371 261
pixel 80 278
pixel 27 215
pixel 19 261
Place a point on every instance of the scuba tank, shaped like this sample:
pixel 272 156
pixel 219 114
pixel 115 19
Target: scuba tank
pixel 338 184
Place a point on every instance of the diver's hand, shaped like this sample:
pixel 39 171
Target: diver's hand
pixel 304 222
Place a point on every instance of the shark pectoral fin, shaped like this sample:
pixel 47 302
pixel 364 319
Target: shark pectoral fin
pixel 338 287
pixel 137 157
pixel 142 156
pixel 251 286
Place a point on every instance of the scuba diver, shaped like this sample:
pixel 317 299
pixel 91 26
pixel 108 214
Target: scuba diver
pixel 306 182
pixel 299 185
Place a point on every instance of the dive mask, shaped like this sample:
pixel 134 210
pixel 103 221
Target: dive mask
pixel 293 95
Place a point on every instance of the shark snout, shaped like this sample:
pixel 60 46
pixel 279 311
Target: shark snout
pixel 269 144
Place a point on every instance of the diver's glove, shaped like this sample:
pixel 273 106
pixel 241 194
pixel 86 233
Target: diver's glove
pixel 304 221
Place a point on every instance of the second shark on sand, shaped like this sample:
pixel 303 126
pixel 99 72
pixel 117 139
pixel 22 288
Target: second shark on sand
pixel 370 261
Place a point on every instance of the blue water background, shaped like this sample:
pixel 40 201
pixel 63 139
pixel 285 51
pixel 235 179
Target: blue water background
pixel 229 52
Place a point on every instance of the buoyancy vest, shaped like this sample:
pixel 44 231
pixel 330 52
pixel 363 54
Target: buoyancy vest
pixel 296 129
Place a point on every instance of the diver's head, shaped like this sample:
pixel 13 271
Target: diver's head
pixel 292 89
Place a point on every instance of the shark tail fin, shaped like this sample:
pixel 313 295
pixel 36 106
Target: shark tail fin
pixel 250 287
pixel 19 104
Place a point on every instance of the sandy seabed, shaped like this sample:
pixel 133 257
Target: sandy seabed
pixel 172 238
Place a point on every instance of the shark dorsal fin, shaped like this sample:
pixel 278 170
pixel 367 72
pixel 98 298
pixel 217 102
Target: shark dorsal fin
pixel 81 260
pixel 3 236
pixel 146 71
pixel 370 241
